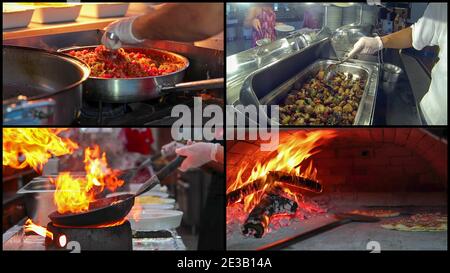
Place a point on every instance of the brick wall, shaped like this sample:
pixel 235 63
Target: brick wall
pixel 375 159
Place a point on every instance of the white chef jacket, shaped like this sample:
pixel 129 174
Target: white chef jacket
pixel 431 30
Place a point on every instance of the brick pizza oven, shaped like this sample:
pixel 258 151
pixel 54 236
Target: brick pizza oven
pixel 394 168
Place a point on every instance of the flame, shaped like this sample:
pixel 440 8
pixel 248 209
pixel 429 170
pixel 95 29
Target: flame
pixel 23 147
pixel 73 195
pixel 292 153
pixel 97 170
pixel 30 226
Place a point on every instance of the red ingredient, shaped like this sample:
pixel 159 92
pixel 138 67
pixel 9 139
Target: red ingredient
pixel 126 64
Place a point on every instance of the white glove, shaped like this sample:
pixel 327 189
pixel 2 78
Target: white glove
pixel 367 45
pixel 123 29
pixel 197 154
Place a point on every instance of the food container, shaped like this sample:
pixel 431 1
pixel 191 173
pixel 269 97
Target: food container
pixel 268 86
pixel 391 75
pixel 154 219
pixel 16 17
pixel 39 200
pixel 103 10
pixel 55 12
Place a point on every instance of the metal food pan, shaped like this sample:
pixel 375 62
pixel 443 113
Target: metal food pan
pixel 266 91
pixel 278 95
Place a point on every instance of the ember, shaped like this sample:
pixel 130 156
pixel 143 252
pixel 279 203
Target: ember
pixel 273 189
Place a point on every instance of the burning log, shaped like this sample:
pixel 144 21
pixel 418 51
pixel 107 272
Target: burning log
pixel 271 204
pixel 297 181
pixel 275 176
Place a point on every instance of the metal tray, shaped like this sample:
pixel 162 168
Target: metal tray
pixel 42 184
pixel 258 93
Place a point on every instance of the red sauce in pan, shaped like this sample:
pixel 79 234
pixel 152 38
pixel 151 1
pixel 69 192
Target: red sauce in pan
pixel 127 64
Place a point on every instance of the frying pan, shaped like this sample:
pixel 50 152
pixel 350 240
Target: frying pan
pixel 112 209
pixel 127 90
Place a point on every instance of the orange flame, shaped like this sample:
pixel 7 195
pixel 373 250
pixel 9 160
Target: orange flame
pixel 97 170
pixel 23 147
pixel 291 155
pixel 73 195
pixel 30 226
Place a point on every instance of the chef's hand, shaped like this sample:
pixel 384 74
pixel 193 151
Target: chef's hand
pixel 367 45
pixel 197 154
pixel 123 29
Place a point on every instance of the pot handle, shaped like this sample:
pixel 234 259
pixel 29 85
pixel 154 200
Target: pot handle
pixel 65 49
pixel 196 85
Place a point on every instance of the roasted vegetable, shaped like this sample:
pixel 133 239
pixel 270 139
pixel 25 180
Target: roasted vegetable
pixel 317 102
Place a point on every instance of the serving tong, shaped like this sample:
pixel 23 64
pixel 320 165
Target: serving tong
pixel 331 67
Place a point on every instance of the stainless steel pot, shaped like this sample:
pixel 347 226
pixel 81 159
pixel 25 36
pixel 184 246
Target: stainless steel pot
pixel 391 75
pixel 126 90
pixel 41 87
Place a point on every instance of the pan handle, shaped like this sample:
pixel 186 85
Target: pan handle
pixel 65 49
pixel 196 85
pixel 160 175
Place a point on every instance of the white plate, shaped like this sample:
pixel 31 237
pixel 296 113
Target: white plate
pixel 158 190
pixel 163 201
pixel 284 28
pixel 138 207
pixel 151 220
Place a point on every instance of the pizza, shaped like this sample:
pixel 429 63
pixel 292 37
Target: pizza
pixel 381 213
pixel 419 222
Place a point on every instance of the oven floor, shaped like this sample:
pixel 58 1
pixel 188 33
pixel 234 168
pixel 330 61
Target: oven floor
pixel 355 236
pixel 358 235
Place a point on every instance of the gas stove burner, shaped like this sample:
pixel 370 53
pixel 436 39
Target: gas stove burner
pixel 101 110
pixel 117 237
pixel 151 112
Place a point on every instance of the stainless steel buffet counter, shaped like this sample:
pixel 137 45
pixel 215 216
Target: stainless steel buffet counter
pixel 255 74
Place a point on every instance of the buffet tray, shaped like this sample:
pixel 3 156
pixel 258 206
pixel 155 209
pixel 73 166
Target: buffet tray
pixel 278 96
pixel 258 89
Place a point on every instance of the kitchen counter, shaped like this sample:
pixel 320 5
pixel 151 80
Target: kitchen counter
pixel 87 23
pixel 397 108
pixel 401 106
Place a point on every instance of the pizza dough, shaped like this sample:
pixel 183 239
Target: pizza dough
pixel 381 213
pixel 419 222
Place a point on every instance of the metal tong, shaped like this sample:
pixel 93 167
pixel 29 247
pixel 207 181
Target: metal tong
pixel 331 67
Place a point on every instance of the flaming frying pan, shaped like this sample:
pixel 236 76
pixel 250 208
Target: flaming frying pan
pixel 112 209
